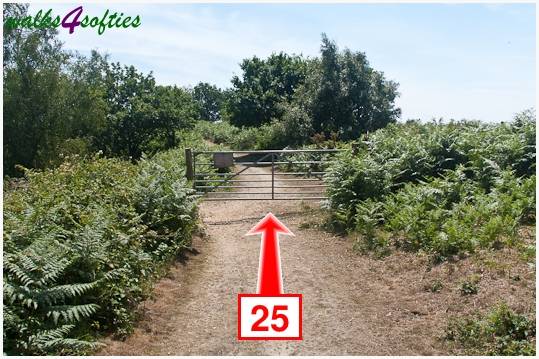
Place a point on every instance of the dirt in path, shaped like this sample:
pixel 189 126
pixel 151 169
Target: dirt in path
pixel 353 305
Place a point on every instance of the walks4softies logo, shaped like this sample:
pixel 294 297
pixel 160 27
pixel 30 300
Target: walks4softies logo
pixel 73 19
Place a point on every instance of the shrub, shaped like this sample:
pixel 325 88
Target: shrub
pixel 351 179
pixel 369 215
pixel 444 189
pixel 83 244
pixel 470 285
pixel 293 130
pixel 434 287
pixel 217 132
pixel 413 152
pixel 452 215
pixel 246 139
pixel 500 332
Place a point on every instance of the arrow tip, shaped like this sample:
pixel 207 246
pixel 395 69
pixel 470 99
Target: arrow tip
pixel 267 223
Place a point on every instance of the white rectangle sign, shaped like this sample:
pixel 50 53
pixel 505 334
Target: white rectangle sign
pixel 269 318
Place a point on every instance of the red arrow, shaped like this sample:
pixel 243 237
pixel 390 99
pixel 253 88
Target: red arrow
pixel 270 280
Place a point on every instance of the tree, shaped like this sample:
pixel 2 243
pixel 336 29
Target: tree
pixel 210 101
pixel 46 105
pixel 11 35
pixel 59 103
pixel 129 96
pixel 339 92
pixel 176 109
pixel 142 116
pixel 255 98
pixel 344 95
pixel 324 87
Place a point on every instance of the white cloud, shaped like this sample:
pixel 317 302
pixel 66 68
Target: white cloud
pixel 182 47
pixel 441 74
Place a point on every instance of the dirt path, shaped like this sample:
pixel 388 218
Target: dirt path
pixel 353 305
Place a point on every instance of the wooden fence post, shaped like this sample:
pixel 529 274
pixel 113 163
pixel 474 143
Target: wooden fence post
pixel 189 172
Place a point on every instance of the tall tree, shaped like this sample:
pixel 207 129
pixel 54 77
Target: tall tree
pixel 325 88
pixel 264 84
pixel 176 109
pixel 44 104
pixel 210 101
pixel 129 95
pixel 345 96
pixel 142 116
pixel 11 35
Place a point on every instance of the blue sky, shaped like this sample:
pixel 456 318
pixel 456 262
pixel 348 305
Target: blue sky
pixel 451 60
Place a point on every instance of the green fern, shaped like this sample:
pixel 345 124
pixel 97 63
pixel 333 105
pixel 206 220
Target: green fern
pixel 445 189
pixel 38 309
pixel 83 244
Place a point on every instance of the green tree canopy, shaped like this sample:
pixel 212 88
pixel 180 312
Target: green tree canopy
pixel 264 84
pixel 47 105
pixel 59 103
pixel 210 101
pixel 141 113
pixel 338 93
pixel 344 95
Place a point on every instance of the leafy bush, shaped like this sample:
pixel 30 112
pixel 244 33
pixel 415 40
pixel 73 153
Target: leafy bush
pixel 351 180
pixel 247 139
pixel 217 132
pixel 470 285
pixel 83 244
pixel 450 215
pixel 501 332
pixel 293 130
pixel 369 215
pixel 434 287
pixel 411 152
pixel 445 189
pixel 270 136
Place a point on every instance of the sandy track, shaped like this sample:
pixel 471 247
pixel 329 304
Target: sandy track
pixel 353 305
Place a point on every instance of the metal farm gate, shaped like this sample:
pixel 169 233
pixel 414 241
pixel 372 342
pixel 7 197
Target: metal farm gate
pixel 259 175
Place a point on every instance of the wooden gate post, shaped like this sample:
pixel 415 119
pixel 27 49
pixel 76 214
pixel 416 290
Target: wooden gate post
pixel 189 171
